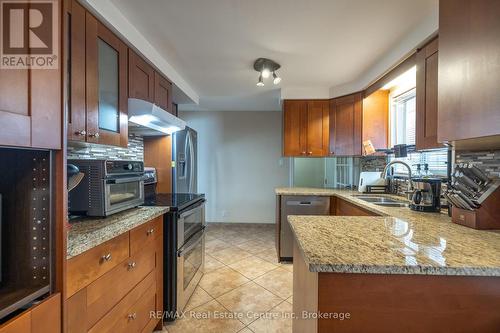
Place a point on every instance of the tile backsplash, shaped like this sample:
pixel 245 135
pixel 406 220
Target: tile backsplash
pixel 134 151
pixel 488 161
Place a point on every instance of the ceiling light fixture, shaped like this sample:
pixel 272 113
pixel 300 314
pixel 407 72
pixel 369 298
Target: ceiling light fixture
pixel 265 67
pixel 261 82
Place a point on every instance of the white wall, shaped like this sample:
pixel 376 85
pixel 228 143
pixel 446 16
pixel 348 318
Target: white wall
pixel 239 163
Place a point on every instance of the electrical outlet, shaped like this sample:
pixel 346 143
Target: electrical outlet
pixel 224 213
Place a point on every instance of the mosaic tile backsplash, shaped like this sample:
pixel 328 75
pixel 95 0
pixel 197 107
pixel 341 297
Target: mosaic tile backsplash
pixel 488 161
pixel 134 152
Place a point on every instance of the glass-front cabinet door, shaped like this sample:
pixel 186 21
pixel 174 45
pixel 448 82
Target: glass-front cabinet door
pixel 106 62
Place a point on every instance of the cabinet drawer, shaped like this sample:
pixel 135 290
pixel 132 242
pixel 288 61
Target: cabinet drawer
pixel 132 313
pixel 88 266
pixel 110 288
pixel 19 324
pixel 145 234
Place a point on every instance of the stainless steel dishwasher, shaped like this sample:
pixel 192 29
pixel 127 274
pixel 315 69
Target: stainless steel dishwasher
pixel 298 205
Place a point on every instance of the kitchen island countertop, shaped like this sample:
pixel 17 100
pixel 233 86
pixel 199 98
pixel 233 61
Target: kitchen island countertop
pixel 399 241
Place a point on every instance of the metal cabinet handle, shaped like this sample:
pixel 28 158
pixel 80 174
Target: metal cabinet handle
pixel 332 153
pixel 310 153
pixel 150 231
pixel 303 153
pixel 81 133
pixel 106 257
pixel 131 265
pixel 94 135
pixel 132 316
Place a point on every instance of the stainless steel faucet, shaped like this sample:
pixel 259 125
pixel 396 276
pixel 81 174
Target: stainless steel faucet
pixel 410 182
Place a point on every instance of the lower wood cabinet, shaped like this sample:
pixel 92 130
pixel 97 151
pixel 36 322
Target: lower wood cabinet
pixel 342 207
pixel 42 318
pixel 122 298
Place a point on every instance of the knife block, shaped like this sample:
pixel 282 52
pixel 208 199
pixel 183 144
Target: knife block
pixel 484 218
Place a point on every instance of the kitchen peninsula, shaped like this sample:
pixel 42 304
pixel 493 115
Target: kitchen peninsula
pixel 392 272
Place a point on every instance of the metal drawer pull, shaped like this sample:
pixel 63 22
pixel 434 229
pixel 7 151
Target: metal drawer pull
pixel 81 133
pixel 150 231
pixel 131 265
pixel 132 316
pixel 106 257
pixel 94 135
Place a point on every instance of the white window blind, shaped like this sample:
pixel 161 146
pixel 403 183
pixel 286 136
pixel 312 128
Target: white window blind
pixel 403 118
pixel 437 160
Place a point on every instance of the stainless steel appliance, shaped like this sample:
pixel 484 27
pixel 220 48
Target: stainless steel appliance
pixel 297 205
pixel 108 187
pixel 183 247
pixel 427 195
pixel 185 158
pixel 150 182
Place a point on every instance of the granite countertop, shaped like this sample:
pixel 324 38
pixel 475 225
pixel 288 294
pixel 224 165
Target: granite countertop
pixel 400 241
pixel 86 233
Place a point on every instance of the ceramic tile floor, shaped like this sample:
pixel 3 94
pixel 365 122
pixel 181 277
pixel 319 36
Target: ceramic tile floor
pixel 244 288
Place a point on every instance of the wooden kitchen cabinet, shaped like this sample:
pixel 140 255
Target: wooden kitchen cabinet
pixel 141 83
pixel 346 125
pixel 147 84
pixel 106 78
pixel 305 128
pixel 41 318
pixel 96 80
pixel 427 97
pixel 30 107
pixel 376 119
pixel 119 294
pixel 163 93
pixel 469 70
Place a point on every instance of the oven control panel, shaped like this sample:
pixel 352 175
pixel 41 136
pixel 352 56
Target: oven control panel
pixel 124 167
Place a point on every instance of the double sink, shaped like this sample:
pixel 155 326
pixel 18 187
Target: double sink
pixel 382 201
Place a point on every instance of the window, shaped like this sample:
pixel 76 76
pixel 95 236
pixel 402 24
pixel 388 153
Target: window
pixel 403 118
pixel 436 159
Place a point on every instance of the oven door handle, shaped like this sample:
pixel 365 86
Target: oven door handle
pixel 192 209
pixel 194 240
pixel 123 180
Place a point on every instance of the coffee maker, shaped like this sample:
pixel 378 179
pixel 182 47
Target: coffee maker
pixel 427 195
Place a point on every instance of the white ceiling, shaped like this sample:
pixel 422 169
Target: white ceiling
pixel 319 43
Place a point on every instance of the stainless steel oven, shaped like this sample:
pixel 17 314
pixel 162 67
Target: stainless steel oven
pixel 108 187
pixel 190 251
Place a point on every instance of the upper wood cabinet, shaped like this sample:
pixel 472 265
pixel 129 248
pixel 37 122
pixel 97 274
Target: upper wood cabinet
pixel 427 97
pixel 30 107
pixel 141 83
pixel 305 131
pixel 346 125
pixel 376 119
pixel 469 69
pixel 96 80
pixel 147 84
pixel 163 93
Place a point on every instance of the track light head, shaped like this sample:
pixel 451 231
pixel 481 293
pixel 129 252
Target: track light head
pixel 261 81
pixel 276 78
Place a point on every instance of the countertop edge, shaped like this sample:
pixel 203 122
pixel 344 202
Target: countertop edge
pixel 108 234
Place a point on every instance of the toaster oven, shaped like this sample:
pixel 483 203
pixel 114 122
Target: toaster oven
pixel 108 187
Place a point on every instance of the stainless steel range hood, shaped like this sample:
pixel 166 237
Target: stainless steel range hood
pixel 148 119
